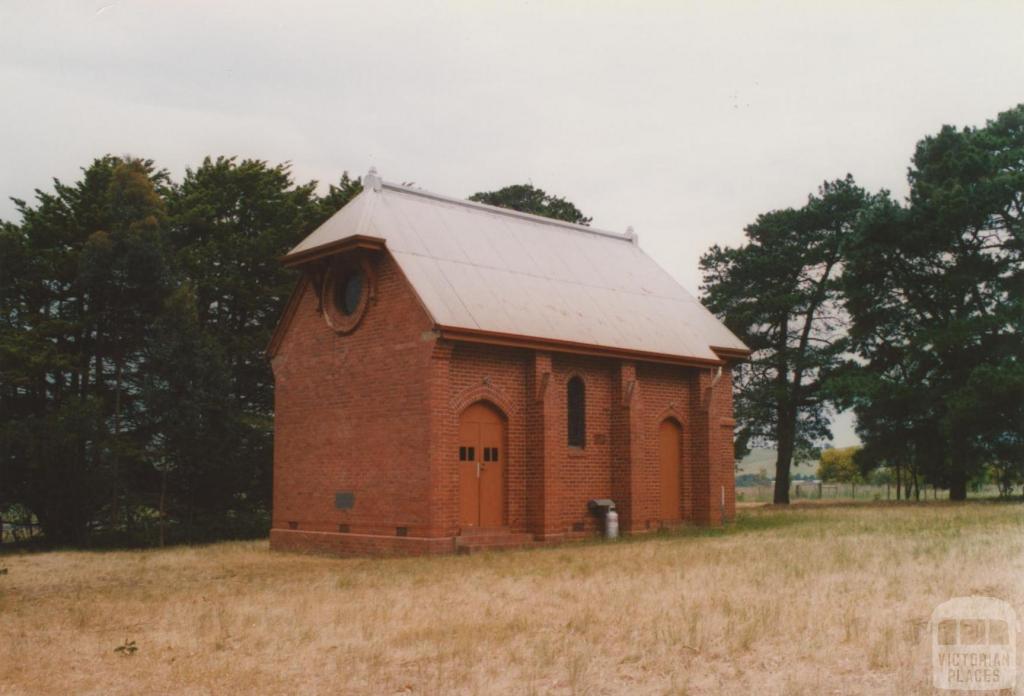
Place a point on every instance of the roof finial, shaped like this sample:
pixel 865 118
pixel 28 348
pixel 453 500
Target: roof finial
pixel 372 180
pixel 632 236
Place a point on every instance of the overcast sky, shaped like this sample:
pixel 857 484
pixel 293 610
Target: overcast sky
pixel 684 120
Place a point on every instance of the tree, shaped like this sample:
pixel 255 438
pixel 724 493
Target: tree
pixel 527 198
pixel 838 466
pixel 934 290
pixel 780 293
pixel 133 318
pixel 338 195
pixel 82 272
pixel 187 418
pixel 993 404
pixel 231 221
pixel 124 277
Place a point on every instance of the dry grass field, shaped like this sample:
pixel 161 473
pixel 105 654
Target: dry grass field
pixel 812 600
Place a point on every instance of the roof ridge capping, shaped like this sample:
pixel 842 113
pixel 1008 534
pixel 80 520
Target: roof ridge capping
pixel 372 181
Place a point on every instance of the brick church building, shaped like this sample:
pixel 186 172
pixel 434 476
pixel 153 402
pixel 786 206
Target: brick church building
pixel 451 375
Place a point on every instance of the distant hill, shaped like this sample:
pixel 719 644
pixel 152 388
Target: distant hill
pixel 764 458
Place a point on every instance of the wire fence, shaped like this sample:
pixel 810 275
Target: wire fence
pixel 800 490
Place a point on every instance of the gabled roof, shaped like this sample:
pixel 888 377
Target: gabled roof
pixel 496 275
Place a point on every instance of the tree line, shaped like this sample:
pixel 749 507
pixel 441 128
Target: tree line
pixel 134 398
pixel 907 312
pixel 136 404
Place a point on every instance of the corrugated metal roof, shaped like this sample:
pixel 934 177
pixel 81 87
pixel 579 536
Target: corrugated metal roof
pixel 480 268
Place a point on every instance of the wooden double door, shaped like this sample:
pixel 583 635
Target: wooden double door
pixel 481 467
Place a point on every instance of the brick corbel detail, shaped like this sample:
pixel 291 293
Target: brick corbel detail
pixel 628 461
pixel 726 452
pixel 710 443
pixel 542 507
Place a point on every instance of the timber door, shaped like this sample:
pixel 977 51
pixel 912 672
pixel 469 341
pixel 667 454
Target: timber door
pixel 669 439
pixel 481 467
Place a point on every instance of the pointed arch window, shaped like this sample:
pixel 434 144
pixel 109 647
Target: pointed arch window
pixel 576 399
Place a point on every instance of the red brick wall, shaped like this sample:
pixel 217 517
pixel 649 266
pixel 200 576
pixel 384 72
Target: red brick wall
pixel 376 412
pixel 548 483
pixel 497 375
pixel 725 458
pixel 351 415
pixel 667 392
pixel 332 543
pixel 620 459
pixel 583 472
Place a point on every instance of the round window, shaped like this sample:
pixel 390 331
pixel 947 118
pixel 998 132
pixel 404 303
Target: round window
pixel 345 295
pixel 349 292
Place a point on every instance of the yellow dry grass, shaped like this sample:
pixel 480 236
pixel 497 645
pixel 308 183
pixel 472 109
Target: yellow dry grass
pixel 817 600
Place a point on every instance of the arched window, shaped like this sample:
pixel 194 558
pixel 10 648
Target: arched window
pixel 577 411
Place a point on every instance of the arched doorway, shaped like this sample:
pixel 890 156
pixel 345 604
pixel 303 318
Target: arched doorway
pixel 481 466
pixel 669 447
